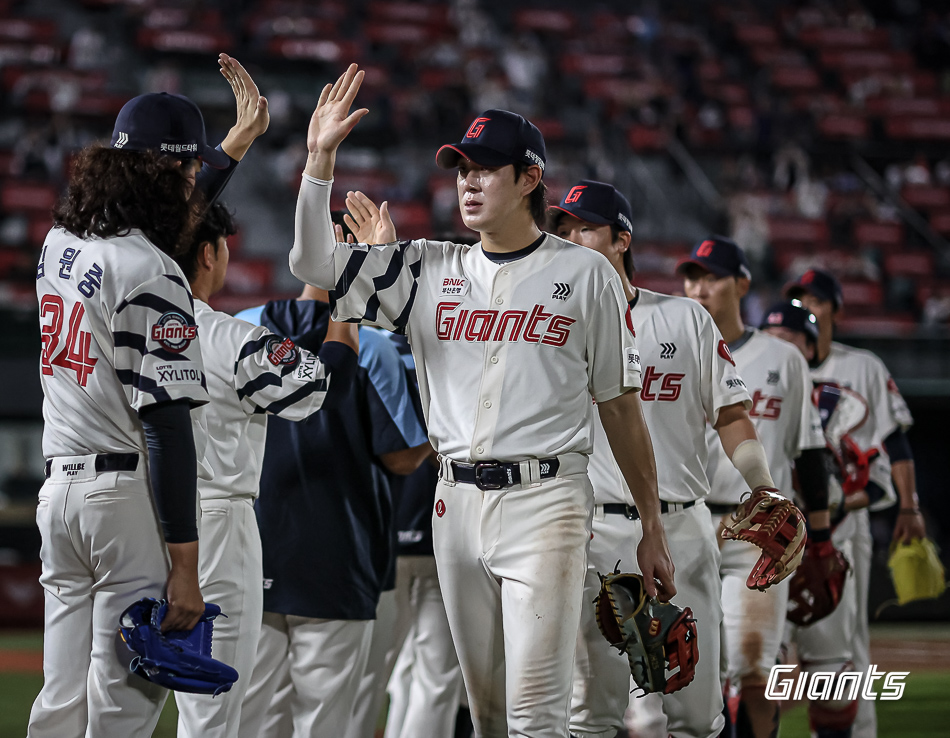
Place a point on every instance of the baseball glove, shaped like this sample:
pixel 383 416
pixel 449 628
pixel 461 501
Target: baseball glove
pixel 815 589
pixel 656 636
pixel 773 523
pixel 179 660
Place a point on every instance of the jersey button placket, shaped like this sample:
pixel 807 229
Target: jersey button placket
pixel 492 374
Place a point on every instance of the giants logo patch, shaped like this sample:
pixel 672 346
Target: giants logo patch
pixel 282 352
pixel 173 332
pixel 725 353
pixel 477 326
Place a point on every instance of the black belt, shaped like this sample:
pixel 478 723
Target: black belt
pixel 107 463
pixel 631 513
pixel 718 508
pixel 498 474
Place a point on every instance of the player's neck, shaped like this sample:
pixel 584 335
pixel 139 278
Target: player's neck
pixel 629 290
pixel 731 327
pixel 201 288
pixel 824 346
pixel 514 236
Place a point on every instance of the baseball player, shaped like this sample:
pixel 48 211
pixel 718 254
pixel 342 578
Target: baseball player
pixel 512 338
pixel 120 368
pixel 885 430
pixel 688 376
pixel 325 499
pixel 827 645
pixel 251 372
pixel 717 276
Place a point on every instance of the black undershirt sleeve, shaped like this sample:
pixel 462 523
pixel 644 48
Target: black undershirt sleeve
pixel 813 468
pixel 172 468
pixel 341 361
pixel 898 447
pixel 212 181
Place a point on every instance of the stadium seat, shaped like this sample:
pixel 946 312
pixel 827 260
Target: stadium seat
pixel 910 264
pixel 875 232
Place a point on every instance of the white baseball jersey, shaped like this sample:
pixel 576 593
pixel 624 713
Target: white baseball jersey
pixel 508 355
pixel 251 373
pixel 688 376
pixel 785 418
pixel 865 373
pixel 119 334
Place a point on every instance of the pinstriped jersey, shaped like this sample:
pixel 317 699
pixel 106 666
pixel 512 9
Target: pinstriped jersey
pixel 508 355
pixel 782 412
pixel 250 373
pixel 119 334
pixel 865 373
pixel 688 376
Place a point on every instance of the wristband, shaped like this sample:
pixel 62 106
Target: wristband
pixel 749 458
pixel 819 536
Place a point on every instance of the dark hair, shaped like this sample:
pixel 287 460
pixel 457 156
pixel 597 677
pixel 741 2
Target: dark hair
pixel 538 198
pixel 111 192
pixel 217 222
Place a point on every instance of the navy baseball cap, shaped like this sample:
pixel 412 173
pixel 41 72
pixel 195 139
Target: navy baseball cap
pixel 168 124
pixel 819 283
pixel 597 202
pixel 794 316
pixel 718 255
pixel 496 138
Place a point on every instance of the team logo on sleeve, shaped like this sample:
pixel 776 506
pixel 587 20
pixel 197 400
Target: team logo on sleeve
pixel 725 353
pixel 282 352
pixel 174 332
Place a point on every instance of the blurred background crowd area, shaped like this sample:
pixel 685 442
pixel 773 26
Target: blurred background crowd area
pixel 815 133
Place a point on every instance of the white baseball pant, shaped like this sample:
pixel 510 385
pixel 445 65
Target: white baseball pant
pixel 102 550
pixel 371 689
pixel 322 660
pixel 865 724
pixel 602 675
pixel 230 574
pixel 511 563
pixel 753 621
pixel 426 683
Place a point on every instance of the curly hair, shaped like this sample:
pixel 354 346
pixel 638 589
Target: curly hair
pixel 111 192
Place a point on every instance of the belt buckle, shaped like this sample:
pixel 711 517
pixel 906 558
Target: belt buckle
pixel 631 513
pixel 481 483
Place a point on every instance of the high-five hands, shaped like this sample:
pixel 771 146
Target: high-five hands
pixel 371 224
pixel 332 122
pixel 253 115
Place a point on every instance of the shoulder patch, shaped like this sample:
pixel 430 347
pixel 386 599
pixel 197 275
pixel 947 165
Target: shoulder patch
pixel 725 353
pixel 174 332
pixel 283 352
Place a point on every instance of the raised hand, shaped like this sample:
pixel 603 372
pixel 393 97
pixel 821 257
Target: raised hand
pixel 332 120
pixel 253 115
pixel 371 224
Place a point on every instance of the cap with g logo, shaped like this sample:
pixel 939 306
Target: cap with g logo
pixel 794 316
pixel 496 138
pixel 718 255
pixel 168 124
pixel 597 202
pixel 819 283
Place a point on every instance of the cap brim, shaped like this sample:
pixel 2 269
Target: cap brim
pixel 448 156
pixel 215 158
pixel 702 264
pixel 584 215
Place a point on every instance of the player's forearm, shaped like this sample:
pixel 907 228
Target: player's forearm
pixel 311 258
pixel 172 468
pixel 742 446
pixel 320 164
pixel 905 482
pixel 632 447
pixel 813 468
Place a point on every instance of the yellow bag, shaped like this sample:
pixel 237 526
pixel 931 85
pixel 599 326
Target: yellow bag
pixel 916 571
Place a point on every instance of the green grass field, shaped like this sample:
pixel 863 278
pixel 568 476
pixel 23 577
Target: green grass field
pixel 923 712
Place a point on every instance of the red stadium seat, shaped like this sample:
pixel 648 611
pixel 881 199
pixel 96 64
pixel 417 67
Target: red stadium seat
pixel 414 219
pixel 862 294
pixel 314 49
pixel 27 197
pixel 646 138
pixel 800 230
pixel 552 21
pixel 940 222
pixel 874 232
pixel 917 129
pixel 795 78
pixel 28 30
pixel 185 41
pixel 760 35
pixel 249 276
pixel 837 38
pixel 926 198
pixel 910 264
pixel 891 324
pixel 843 126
